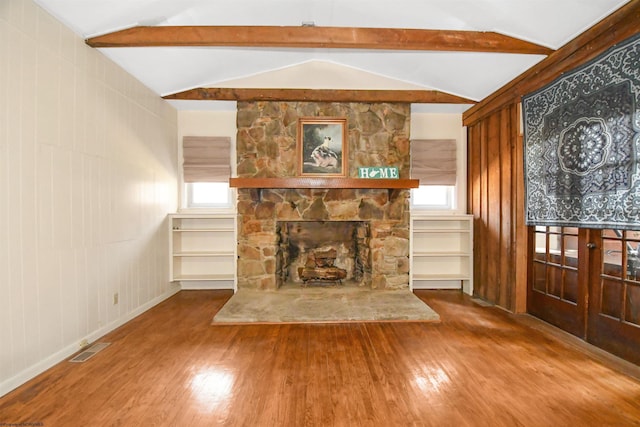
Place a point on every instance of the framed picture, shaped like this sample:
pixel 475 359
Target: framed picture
pixel 322 146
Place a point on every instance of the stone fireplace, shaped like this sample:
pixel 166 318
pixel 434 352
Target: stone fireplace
pixel 280 228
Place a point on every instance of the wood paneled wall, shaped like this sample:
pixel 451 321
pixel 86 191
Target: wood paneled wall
pixel 495 163
pixel 495 193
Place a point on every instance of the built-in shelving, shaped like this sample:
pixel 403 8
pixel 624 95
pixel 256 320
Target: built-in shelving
pixel 442 252
pixel 202 247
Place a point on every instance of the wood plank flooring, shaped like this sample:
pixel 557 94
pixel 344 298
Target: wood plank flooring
pixel 480 366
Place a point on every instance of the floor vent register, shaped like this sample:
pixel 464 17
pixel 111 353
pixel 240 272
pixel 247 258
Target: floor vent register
pixel 89 352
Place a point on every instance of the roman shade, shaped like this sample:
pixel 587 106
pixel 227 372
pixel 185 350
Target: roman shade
pixel 206 158
pixel 433 161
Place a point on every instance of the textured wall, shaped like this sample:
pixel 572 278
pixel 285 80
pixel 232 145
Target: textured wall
pixel 378 135
pixel 88 174
pixel 266 143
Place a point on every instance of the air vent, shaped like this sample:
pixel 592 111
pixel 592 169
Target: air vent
pixel 89 352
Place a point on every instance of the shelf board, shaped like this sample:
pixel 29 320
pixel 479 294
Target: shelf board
pixel 322 182
pixel 441 230
pixel 203 254
pixel 199 230
pixel 441 277
pixel 189 216
pixel 187 277
pixel 441 254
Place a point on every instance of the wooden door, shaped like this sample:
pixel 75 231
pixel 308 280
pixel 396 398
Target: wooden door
pixel 614 295
pixel 557 286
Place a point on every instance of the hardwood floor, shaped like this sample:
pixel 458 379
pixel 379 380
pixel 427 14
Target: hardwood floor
pixel 480 366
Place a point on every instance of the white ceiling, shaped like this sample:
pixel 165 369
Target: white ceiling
pixel 166 70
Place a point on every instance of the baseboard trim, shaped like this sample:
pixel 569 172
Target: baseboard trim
pixel 623 366
pixel 66 352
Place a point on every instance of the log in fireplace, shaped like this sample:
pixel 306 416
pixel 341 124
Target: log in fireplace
pixel 320 268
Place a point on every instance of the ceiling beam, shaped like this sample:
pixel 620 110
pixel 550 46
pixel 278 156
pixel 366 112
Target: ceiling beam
pixel 319 95
pixel 317 37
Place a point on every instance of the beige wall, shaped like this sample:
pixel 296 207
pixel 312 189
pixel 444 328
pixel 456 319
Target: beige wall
pixel 446 126
pixel 88 173
pixel 206 123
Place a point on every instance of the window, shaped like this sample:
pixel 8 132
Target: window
pixel 208 195
pixel 206 170
pixel 433 197
pixel 433 162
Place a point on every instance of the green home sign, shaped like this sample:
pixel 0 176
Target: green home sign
pixel 378 172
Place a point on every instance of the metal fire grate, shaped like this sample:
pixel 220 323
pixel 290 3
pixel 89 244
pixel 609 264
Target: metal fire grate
pixel 89 352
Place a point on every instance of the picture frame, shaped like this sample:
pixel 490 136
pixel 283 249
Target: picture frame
pixel 322 146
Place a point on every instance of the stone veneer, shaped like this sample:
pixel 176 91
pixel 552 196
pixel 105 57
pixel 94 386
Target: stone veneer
pixel 378 135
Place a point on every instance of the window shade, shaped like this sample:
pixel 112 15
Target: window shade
pixel 206 159
pixel 433 161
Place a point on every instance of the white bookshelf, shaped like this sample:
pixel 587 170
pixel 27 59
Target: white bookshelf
pixel 442 252
pixel 203 250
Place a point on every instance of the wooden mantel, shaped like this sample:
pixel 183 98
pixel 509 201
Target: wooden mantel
pixel 322 182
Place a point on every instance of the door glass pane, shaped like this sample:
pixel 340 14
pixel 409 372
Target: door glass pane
pixel 632 312
pixel 570 286
pixel 555 248
pixel 633 255
pixel 541 245
pixel 612 257
pixel 611 298
pixel 571 251
pixel 555 282
pixel 539 279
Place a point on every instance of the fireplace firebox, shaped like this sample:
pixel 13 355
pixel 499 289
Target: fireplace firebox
pixel 323 253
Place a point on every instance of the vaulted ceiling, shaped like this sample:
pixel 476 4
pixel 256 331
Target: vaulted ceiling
pixel 440 55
